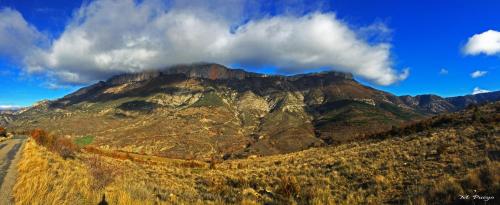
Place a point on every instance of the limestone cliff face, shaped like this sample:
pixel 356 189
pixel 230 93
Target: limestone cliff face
pixel 135 77
pixel 209 71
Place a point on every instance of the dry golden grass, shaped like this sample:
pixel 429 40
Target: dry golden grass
pixel 428 167
pixel 46 178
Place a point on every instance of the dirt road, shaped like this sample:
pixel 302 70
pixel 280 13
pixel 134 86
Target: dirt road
pixel 9 156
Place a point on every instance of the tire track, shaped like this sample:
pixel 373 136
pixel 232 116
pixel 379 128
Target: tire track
pixel 9 156
pixel 8 160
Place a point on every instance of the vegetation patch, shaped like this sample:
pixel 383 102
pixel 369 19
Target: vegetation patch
pixel 209 100
pixel 137 105
pixel 83 141
pixel 398 111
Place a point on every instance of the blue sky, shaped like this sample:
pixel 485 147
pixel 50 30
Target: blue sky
pixel 427 37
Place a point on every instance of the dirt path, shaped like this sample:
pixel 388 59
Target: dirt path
pixel 9 156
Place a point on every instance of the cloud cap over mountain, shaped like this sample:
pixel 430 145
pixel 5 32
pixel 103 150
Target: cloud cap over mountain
pixel 108 37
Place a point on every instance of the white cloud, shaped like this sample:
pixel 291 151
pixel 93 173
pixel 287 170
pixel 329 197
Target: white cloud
pixel 17 37
pixel 443 71
pixel 110 36
pixel 478 73
pixel 487 43
pixel 9 107
pixel 478 90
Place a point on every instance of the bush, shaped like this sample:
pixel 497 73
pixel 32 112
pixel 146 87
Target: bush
pixel 3 132
pixel 101 173
pixel 41 137
pixel 60 145
pixel 64 147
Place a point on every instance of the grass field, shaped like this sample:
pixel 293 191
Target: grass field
pixel 433 166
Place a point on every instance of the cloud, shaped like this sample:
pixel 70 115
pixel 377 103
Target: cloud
pixel 443 71
pixel 478 90
pixel 487 43
pixel 109 37
pixel 17 37
pixel 478 73
pixel 9 107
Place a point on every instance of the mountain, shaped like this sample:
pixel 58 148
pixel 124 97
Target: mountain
pixel 5 118
pixel 462 102
pixel 8 115
pixel 434 104
pixel 203 111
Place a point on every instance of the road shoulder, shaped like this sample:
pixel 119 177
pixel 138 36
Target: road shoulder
pixel 10 177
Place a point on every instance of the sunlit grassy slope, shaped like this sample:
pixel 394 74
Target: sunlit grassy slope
pixel 455 155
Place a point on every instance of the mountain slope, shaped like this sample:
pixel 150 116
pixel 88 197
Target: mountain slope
pixel 447 156
pixel 462 102
pixel 434 104
pixel 207 110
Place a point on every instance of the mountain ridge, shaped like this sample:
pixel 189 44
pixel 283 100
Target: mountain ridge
pixel 207 110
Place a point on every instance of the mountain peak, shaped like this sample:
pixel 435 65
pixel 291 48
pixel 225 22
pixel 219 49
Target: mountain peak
pixel 210 71
pixel 215 71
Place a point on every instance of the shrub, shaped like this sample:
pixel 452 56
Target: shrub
pixel 60 145
pixel 101 173
pixel 64 147
pixel 41 137
pixel 3 132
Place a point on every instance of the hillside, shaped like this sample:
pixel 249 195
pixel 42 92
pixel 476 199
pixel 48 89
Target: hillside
pixel 202 111
pixel 207 110
pixel 429 162
pixel 434 104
